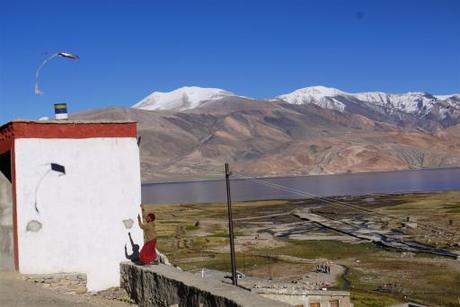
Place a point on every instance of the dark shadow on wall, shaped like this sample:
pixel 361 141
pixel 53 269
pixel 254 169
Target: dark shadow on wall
pixel 5 165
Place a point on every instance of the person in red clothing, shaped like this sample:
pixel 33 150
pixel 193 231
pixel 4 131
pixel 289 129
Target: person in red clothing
pixel 148 254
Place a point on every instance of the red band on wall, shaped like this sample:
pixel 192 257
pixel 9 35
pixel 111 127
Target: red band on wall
pixel 72 130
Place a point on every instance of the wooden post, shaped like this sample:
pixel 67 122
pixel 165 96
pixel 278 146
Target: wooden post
pixel 230 225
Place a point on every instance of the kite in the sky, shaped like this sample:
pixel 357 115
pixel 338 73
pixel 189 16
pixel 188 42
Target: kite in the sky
pixel 66 55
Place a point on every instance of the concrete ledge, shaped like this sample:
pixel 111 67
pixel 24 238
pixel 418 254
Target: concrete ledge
pixel 162 285
pixel 300 292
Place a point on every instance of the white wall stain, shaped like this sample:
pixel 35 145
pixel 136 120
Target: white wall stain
pixel 34 226
pixel 128 223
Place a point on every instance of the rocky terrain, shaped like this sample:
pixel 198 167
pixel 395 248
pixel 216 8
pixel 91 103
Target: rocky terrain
pixel 189 133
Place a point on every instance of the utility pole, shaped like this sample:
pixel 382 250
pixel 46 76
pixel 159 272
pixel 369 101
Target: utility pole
pixel 230 225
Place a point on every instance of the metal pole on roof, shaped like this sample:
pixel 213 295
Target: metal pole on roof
pixel 230 225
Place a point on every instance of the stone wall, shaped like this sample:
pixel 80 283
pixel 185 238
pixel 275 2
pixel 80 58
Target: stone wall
pixel 325 298
pixel 162 285
pixel 6 225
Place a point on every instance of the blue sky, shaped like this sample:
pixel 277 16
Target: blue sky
pixel 129 48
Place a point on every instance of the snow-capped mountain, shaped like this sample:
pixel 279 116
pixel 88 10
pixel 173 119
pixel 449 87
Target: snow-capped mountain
pixel 444 97
pixel 331 98
pixel 412 102
pixel 319 95
pixel 181 99
pixel 423 108
pixel 420 105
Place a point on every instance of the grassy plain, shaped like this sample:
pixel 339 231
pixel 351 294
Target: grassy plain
pixel 195 236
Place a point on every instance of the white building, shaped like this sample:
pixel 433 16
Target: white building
pixel 70 194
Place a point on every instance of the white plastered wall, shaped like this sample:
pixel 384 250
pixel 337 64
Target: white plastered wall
pixel 81 213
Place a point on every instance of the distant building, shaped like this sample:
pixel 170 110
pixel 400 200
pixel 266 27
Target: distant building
pixel 69 194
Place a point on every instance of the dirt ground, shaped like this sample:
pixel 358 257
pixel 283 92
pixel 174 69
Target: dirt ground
pixel 16 292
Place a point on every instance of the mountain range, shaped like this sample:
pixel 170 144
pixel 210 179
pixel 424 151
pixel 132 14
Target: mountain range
pixel 428 109
pixel 190 132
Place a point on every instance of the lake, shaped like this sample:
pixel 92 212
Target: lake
pixel 425 180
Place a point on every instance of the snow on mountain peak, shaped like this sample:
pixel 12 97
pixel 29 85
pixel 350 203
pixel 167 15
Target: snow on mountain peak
pixel 451 96
pixel 411 102
pixel 419 103
pixel 319 91
pixel 319 95
pixel 181 99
